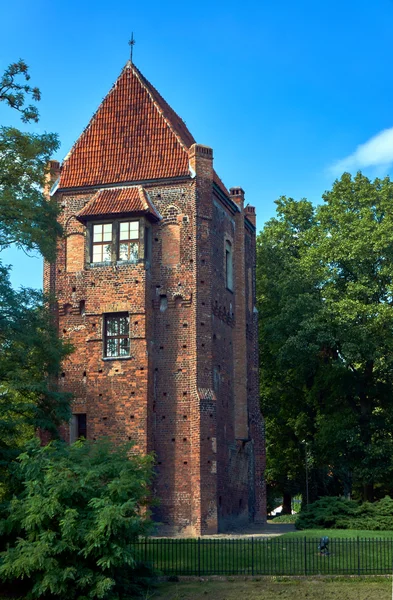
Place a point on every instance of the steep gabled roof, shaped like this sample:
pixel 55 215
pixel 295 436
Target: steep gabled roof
pixel 120 200
pixel 134 136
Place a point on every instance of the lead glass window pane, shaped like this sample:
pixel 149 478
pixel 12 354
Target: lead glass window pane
pixel 129 230
pixel 133 252
pixel 97 254
pixel 134 230
pixel 123 252
pixel 129 241
pixel 97 233
pixel 124 231
pixel 102 243
pixel 107 253
pixel 116 333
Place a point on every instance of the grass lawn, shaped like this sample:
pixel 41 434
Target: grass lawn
pixel 339 533
pixel 311 589
pixel 349 553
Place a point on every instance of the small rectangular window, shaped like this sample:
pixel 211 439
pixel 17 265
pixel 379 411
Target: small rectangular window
pixel 78 428
pixel 102 243
pixel 129 241
pixel 116 335
pixel 229 265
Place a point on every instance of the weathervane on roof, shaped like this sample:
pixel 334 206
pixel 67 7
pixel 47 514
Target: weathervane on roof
pixel 131 44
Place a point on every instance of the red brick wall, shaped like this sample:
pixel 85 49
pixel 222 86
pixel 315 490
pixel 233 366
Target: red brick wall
pixel 173 350
pixel 175 395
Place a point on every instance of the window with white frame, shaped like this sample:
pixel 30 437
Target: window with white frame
pixel 129 241
pixel 102 243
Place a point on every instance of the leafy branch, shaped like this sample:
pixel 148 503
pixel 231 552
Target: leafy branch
pixel 14 93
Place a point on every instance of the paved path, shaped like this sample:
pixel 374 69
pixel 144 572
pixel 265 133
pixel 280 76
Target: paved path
pixel 271 529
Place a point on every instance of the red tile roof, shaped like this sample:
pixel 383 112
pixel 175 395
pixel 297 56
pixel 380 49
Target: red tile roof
pixel 134 136
pixel 119 200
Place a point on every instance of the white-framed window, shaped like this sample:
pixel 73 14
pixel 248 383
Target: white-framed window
pixel 102 243
pixel 129 241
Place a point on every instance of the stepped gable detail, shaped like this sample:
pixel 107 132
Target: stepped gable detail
pixel 119 201
pixel 134 136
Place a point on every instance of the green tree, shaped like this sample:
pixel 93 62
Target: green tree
pixel 287 298
pixel 326 308
pixel 75 525
pixel 30 351
pixel 28 218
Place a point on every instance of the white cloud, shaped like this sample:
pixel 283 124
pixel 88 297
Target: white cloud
pixel 376 152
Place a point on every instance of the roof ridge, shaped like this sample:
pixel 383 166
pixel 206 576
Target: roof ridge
pixel 152 91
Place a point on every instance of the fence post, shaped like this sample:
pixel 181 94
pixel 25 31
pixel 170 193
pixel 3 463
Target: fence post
pixel 305 555
pixel 252 556
pixel 199 557
pixel 358 545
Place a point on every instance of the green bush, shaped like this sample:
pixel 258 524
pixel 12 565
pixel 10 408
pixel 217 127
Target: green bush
pixel 72 529
pixel 336 513
pixel 284 519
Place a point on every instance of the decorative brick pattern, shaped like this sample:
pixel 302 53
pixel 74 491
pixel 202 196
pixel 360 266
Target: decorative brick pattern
pixel 189 388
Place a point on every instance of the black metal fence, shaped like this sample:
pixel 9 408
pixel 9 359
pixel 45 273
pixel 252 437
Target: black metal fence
pixel 267 556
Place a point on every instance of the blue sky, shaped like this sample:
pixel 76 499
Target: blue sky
pixel 288 94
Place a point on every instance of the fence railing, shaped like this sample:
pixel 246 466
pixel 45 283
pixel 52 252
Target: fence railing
pixel 267 556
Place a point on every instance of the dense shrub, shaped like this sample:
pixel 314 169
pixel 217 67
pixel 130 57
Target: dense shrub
pixel 72 529
pixel 336 513
pixel 284 519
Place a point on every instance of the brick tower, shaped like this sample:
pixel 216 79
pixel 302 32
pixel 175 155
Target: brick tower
pixel 155 284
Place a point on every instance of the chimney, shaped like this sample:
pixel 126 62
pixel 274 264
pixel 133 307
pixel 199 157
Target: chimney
pixel 52 175
pixel 201 160
pixel 250 213
pixel 237 195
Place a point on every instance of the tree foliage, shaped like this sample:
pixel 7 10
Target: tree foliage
pixel 30 351
pixel 326 304
pixel 68 515
pixel 27 216
pixel 72 531
pixel 31 354
pixel 14 90
pixel 338 513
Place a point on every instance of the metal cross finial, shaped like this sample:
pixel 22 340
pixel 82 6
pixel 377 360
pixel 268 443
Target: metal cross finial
pixel 131 44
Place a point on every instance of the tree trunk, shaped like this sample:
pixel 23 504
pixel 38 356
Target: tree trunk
pixel 287 503
pixel 368 492
pixel 347 484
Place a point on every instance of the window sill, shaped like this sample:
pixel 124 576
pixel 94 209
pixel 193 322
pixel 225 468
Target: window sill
pixel 117 358
pixel 116 263
pixel 129 262
pixel 229 290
